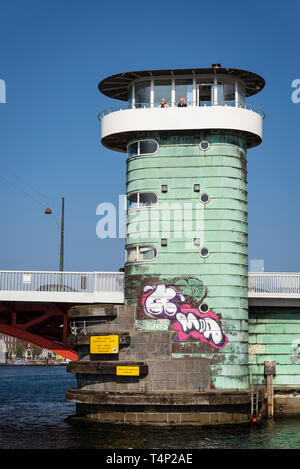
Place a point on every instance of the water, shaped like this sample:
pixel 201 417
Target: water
pixel 33 409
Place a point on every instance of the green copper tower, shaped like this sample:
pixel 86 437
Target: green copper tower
pixel 186 134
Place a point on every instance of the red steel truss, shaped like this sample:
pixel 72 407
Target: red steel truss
pixel 42 324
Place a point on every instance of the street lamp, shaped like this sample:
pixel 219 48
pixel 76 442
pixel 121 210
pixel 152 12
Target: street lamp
pixel 48 211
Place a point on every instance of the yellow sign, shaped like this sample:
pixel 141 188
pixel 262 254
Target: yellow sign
pixel 128 370
pixel 104 344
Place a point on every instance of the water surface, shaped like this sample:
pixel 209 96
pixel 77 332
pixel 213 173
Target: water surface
pixel 33 412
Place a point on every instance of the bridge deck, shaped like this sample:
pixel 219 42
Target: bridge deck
pixel 43 298
pixel 62 287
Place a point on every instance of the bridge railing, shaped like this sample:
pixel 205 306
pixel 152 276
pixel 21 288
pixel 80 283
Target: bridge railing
pixel 260 283
pixel 276 283
pixel 47 281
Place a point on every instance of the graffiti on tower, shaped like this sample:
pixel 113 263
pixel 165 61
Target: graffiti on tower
pixel 163 301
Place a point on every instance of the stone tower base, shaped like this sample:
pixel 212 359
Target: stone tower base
pixel 161 409
pixel 141 382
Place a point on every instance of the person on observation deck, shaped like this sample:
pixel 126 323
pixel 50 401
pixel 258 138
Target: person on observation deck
pixel 163 103
pixel 182 102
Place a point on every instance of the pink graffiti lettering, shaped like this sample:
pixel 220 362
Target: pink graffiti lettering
pixel 163 301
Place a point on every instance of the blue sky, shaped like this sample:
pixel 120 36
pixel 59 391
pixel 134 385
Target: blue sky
pixel 52 56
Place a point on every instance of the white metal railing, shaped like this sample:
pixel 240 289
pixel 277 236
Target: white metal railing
pixel 284 283
pixel 84 282
pixel 125 106
pixel 91 282
pixel 81 326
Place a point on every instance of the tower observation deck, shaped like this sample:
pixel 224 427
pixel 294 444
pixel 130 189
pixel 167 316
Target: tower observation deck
pixel 215 99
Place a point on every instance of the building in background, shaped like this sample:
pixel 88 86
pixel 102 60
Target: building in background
pixel 256 265
pixel 10 344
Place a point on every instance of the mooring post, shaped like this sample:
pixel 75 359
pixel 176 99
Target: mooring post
pixel 270 371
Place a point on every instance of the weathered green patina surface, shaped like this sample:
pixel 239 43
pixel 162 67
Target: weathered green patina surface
pixel 179 280
pixel 274 335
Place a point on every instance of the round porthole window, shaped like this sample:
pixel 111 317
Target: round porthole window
pixel 204 252
pixel 204 145
pixel 203 308
pixel 204 198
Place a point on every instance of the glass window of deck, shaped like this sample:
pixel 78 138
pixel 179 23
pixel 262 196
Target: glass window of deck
pixel 204 91
pixel 184 89
pixel 217 94
pixel 142 93
pixel 130 89
pixel 162 89
pixel 201 90
pixel 229 92
pixel 241 93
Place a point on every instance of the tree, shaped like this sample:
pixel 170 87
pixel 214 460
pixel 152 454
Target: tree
pixel 20 348
pixel 35 350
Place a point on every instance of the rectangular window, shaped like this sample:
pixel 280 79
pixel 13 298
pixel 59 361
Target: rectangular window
pixel 197 242
pixel 229 92
pixel 204 91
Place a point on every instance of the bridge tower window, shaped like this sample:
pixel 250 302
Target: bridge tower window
pixel 140 253
pixel 141 199
pixel 142 147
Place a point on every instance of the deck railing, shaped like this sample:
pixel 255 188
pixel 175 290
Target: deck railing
pixel 46 281
pixel 125 106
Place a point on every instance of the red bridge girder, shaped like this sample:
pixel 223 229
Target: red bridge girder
pixel 42 324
